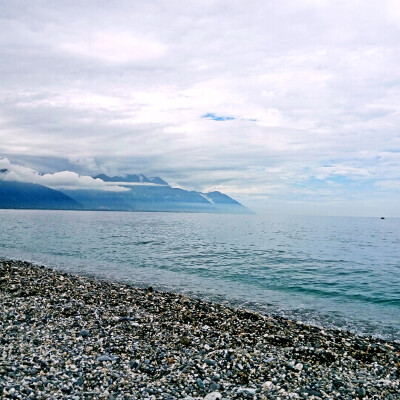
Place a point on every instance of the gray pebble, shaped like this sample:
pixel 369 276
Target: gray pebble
pixel 84 333
pixel 200 383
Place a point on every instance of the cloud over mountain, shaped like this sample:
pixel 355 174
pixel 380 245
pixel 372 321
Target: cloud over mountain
pixel 59 180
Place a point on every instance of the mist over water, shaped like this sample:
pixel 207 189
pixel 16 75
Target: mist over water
pixel 331 271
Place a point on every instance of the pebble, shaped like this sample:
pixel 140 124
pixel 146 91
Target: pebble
pixel 248 391
pixel 298 366
pixel 84 333
pixel 200 383
pixel 213 396
pixel 104 358
pixel 214 386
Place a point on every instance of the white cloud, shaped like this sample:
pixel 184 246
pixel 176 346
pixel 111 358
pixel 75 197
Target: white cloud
pixel 342 170
pixel 393 11
pixel 115 47
pixel 389 185
pixel 59 180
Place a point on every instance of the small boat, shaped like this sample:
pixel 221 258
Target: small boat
pixel 382 217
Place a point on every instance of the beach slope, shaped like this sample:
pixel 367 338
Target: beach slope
pixel 74 337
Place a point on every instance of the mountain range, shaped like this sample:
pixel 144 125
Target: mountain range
pixel 142 194
pixel 32 196
pixel 132 178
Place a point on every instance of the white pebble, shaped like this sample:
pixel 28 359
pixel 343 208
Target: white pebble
pixel 213 396
pixel 249 391
pixel 266 385
pixel 298 366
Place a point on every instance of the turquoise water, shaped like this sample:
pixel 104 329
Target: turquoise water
pixel 330 271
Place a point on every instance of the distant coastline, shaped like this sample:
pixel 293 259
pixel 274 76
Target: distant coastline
pixel 135 193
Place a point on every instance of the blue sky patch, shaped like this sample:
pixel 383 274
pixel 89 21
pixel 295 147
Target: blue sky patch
pixel 216 117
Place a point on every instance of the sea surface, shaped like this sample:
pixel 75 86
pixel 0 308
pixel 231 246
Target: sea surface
pixel 336 272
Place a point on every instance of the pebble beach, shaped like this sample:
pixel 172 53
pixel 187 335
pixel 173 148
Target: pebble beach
pixel 66 336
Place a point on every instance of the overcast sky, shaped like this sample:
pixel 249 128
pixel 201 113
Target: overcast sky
pixel 288 106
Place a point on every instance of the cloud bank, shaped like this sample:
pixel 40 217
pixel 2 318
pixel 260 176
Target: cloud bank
pixel 59 180
pixel 289 106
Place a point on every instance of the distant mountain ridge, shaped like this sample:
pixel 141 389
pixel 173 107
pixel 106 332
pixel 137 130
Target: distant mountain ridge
pixel 144 194
pixel 154 194
pixel 31 196
pixel 132 178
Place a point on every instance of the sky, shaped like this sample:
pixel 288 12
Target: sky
pixel 290 107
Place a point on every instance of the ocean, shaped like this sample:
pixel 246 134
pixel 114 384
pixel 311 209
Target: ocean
pixel 335 272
